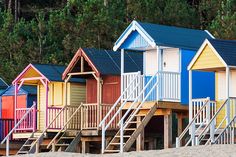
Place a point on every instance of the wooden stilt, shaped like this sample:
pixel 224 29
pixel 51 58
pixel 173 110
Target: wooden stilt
pixel 83 147
pixel 140 138
pixel 180 124
pixel 167 131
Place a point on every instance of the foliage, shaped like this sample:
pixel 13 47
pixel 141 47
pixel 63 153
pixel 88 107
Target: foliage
pixel 52 31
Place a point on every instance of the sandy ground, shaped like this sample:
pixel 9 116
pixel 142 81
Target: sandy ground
pixel 198 151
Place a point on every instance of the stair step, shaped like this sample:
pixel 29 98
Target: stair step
pixel 23 152
pixel 116 143
pixel 140 115
pixel 32 138
pixel 133 122
pixel 124 136
pixel 61 145
pixel 130 129
pixel 112 151
pixel 27 145
pixel 68 137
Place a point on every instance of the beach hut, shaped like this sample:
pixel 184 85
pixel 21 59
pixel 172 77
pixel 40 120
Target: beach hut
pixel 25 97
pixel 167 51
pixel 215 113
pixel 101 70
pixel 50 91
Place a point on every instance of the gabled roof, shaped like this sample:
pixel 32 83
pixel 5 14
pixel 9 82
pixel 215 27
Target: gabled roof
pixel 107 62
pixel 54 72
pixel 24 90
pixel 225 50
pixel 3 84
pixel 49 71
pixel 162 35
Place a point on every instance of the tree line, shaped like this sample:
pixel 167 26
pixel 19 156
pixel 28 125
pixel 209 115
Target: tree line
pixel 50 31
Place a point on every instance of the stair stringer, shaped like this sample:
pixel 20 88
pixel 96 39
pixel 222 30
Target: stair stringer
pixel 76 140
pixel 140 128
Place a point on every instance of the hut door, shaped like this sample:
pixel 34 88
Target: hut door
pixel 170 60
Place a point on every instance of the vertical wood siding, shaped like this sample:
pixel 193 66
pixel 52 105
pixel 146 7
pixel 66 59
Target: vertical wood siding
pixel 8 105
pixel 42 106
pixel 110 89
pixel 91 91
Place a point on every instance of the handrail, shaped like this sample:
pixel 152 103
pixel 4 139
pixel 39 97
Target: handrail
pixel 193 120
pixel 9 134
pixel 67 122
pixel 225 129
pixel 212 119
pixel 137 109
pixel 140 94
pixel 119 99
pixel 42 134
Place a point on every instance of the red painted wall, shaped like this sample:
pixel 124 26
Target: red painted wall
pixel 110 90
pixel 8 105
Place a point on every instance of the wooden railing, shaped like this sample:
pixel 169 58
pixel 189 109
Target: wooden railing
pixel 132 79
pixel 6 126
pixel 105 108
pixel 29 122
pixel 59 121
pixel 91 116
pixel 169 87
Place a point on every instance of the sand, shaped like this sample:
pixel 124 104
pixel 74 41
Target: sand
pixel 197 151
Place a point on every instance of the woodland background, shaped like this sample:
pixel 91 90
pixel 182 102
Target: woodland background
pixel 50 31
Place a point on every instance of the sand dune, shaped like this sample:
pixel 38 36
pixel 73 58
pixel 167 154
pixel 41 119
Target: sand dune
pixel 198 151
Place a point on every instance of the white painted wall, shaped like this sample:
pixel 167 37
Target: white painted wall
pixel 221 84
pixel 150 62
pixel 171 60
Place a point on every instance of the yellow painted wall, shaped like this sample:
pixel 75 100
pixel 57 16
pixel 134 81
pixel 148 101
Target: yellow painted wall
pixel 76 93
pixel 207 59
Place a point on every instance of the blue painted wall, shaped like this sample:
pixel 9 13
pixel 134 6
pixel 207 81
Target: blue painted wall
pixel 203 82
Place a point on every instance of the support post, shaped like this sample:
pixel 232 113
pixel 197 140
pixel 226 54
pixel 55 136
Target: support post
pixel 15 103
pixel 227 96
pixel 121 136
pixel 168 130
pixel 7 147
pixel 46 114
pixel 122 70
pixel 140 138
pixel 190 96
pixel 103 138
pixel 83 147
pixel 180 123
pixel 159 68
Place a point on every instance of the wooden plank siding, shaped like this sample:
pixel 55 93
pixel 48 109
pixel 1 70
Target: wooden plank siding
pixel 91 91
pixel 41 107
pixel 56 97
pixel 110 89
pixel 207 59
pixel 77 94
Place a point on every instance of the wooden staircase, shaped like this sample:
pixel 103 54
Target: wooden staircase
pixel 132 131
pixel 29 146
pixel 67 141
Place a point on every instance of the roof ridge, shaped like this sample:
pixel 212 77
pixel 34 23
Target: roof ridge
pixel 172 26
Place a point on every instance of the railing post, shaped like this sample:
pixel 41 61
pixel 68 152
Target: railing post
pixel 208 110
pixel 7 147
pixel 193 133
pixel 34 117
pixel 196 141
pixel 37 147
pixel 121 136
pixel 212 132
pixel 177 142
pixel 103 138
